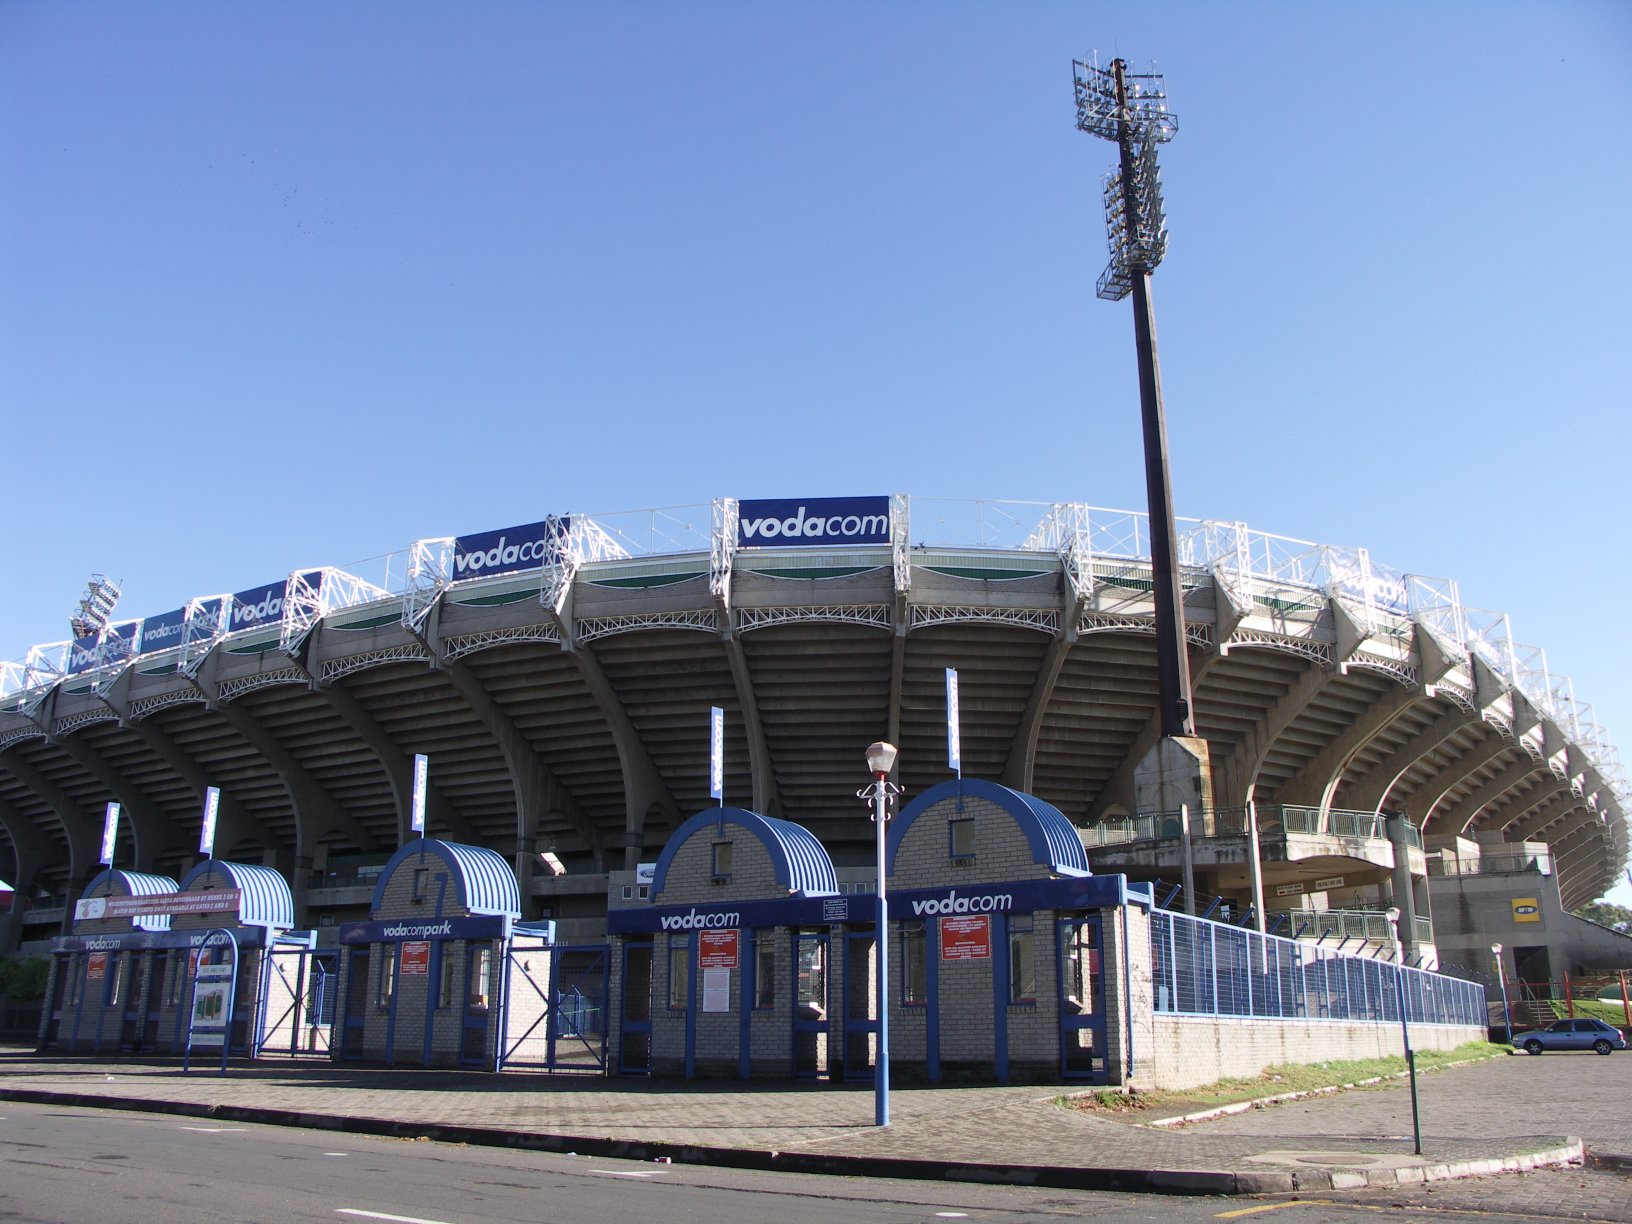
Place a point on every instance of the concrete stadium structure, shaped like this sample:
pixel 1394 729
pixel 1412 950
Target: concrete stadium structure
pixel 562 694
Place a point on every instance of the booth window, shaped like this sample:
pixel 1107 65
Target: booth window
pixel 963 840
pixel 722 862
pixel 679 963
pixel 116 977
pixel 1022 960
pixel 764 970
pixel 177 973
pixel 388 977
pixel 422 882
pixel 914 983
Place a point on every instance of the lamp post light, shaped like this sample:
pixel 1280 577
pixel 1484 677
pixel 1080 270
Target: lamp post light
pixel 1501 976
pixel 880 761
pixel 1405 1027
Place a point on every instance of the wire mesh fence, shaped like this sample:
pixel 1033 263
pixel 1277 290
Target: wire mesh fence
pixel 1206 968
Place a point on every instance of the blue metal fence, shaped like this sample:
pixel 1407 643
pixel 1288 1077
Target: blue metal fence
pixel 1205 968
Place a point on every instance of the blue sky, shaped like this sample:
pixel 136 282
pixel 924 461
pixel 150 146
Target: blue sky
pixel 286 285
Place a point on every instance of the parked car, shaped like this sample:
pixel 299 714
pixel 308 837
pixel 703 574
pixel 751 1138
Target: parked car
pixel 1578 1034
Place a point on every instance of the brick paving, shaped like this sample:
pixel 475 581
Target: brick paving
pixel 1473 1118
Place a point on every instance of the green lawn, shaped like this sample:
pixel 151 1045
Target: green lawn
pixel 1273 1081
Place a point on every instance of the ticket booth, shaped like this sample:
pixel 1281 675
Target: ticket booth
pixel 255 905
pixel 725 968
pixel 102 991
pixel 999 932
pixel 423 981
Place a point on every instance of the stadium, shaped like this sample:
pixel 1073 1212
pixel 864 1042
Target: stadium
pixel 1369 736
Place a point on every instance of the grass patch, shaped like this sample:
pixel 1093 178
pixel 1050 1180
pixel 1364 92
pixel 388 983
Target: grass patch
pixel 1272 1081
pixel 1593 1009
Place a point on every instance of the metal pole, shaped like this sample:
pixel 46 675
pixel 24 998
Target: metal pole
pixel 881 953
pixel 1501 976
pixel 1172 659
pixel 1405 1031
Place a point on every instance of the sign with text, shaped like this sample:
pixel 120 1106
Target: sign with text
pixel 813 521
pixel 416 958
pixel 717 949
pixel 211 902
pixel 1526 909
pixel 966 938
pixel 511 550
pixel 96 966
pixel 716 753
pixel 110 833
pixel 206 829
pixel 422 779
pixel 954 749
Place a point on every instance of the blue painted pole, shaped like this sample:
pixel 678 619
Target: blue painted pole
pixel 881 1068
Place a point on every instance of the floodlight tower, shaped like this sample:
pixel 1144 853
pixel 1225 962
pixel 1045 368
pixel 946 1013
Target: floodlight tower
pixel 1131 109
pixel 91 617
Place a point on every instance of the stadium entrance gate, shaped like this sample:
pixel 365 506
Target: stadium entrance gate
pixel 556 1008
pixel 297 1008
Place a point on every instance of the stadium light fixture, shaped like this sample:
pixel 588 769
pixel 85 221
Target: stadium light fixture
pixel 95 607
pixel 1130 109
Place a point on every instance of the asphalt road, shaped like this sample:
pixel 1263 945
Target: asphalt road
pixel 68 1166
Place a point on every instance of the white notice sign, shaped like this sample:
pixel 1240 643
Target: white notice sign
pixel 716 990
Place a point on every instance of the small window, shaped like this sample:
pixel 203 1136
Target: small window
pixel 422 882
pixel 722 861
pixel 914 976
pixel 444 988
pixel 679 978
pixel 764 970
pixel 388 977
pixel 963 839
pixel 1022 960
pixel 480 960
pixel 116 978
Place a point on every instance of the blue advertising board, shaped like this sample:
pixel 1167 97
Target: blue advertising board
pixel 813 521
pixel 263 605
pixel 83 654
pixel 164 631
pixel 113 645
pixel 511 549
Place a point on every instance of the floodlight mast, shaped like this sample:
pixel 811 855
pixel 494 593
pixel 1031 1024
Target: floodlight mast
pixel 1131 109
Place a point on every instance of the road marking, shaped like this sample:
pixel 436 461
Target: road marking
pixel 380 1215
pixel 618 1173
pixel 951 1215
pixel 213 1130
pixel 1246 1211
pixel 337 1153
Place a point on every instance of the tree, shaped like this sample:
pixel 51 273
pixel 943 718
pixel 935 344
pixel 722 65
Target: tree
pixel 1617 917
pixel 22 978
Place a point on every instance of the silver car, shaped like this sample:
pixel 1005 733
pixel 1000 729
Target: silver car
pixel 1577 1034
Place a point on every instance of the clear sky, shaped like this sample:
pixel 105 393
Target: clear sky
pixel 293 284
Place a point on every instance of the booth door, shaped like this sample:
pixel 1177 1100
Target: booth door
pixel 66 967
pixel 130 1032
pixel 635 1022
pixel 810 1005
pixel 478 1004
pixel 860 1018
pixel 158 983
pixel 351 1036
pixel 1082 999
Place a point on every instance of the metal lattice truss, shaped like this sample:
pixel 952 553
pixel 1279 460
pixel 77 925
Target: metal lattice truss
pixel 469 643
pixel 334 669
pixel 235 687
pixel 876 616
pixel 312 595
pixel 67 726
pixel 581 541
pixel 1022 618
pixel 430 569
pixel 591 628
pixel 17 735
pixel 143 706
pixel 206 623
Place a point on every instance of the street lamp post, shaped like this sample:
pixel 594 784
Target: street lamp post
pixel 1405 1028
pixel 1501 976
pixel 880 761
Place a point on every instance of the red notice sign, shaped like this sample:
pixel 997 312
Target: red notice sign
pixel 416 958
pixel 966 938
pixel 96 966
pixel 716 949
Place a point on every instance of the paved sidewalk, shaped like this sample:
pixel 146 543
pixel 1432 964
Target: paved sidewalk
pixel 1008 1134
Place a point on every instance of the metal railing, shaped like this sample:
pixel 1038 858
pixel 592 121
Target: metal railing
pixel 1232 822
pixel 1502 863
pixel 1203 968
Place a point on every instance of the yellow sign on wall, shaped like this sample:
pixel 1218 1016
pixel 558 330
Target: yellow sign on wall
pixel 1526 909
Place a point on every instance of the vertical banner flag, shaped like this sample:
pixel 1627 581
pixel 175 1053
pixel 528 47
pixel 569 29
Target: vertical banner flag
pixel 422 774
pixel 206 834
pixel 110 832
pixel 954 750
pixel 716 754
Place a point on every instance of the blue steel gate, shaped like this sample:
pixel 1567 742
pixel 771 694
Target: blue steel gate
pixel 556 1008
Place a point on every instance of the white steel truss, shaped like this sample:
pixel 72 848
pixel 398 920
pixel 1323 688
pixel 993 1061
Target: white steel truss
pixel 143 706
pixel 334 669
pixel 430 569
pixel 469 643
pixel 312 594
pixel 1042 620
pixel 704 620
pixel 237 686
pixel 875 615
